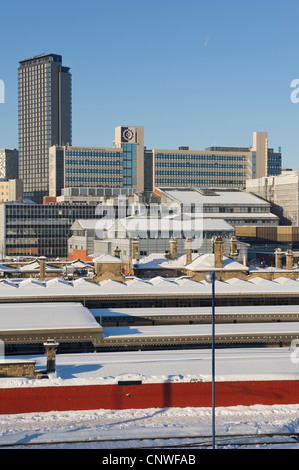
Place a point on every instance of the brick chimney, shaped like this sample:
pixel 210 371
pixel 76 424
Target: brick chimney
pixel 233 247
pixel 218 252
pixel 278 258
pixel 42 268
pixel 173 248
pixel 188 250
pixel 50 346
pixel 212 242
pixel 289 260
pixel 135 248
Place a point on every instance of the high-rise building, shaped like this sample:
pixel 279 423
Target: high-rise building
pixel 44 118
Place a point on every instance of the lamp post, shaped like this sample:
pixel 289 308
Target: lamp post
pixel 210 278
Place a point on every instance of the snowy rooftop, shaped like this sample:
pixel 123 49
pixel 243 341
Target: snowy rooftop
pixel 36 322
pixel 171 311
pixel 46 315
pixel 200 262
pixel 133 286
pixel 213 196
pixel 164 366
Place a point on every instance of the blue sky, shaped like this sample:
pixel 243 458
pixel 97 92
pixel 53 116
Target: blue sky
pixel 192 73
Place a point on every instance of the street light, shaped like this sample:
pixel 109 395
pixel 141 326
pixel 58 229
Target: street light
pixel 211 278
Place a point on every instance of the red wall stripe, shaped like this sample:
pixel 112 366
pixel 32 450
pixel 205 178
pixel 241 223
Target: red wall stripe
pixel 160 395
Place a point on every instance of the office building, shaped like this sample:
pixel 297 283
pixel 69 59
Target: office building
pixel 128 164
pixel 44 118
pixel 235 206
pixel 37 229
pixel 282 192
pixel 120 166
pixel 215 166
pixel 84 167
pixel 9 164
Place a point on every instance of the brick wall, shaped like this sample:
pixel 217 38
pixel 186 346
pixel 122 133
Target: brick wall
pixel 17 368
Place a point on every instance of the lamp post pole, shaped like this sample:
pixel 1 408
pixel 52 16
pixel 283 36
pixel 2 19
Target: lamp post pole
pixel 210 278
pixel 213 358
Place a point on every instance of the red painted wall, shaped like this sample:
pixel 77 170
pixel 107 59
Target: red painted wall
pixel 194 394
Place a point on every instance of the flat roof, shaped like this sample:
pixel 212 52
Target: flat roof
pixel 188 365
pixel 37 322
pixel 172 311
pixel 41 56
pixel 212 196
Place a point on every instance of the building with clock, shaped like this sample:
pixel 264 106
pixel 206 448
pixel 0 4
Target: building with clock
pixel 128 164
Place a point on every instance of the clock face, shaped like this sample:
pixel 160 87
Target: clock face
pixel 127 134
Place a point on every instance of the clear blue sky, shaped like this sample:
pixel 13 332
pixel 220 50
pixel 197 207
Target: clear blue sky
pixel 197 73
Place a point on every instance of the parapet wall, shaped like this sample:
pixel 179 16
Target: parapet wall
pixel 155 395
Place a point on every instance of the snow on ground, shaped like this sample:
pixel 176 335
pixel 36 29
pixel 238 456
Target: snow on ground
pixel 153 366
pixel 108 425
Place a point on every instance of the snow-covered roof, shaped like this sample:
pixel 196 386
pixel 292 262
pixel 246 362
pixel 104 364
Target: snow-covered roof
pixel 182 311
pixel 32 288
pixel 106 259
pixel 35 267
pixel 37 322
pixel 78 263
pixel 205 262
pixel 183 365
pixel 200 262
pixel 213 196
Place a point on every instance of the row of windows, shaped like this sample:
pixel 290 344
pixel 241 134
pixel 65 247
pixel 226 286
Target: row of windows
pixel 236 209
pixel 198 165
pixel 202 173
pixel 95 171
pixel 197 181
pixel 92 154
pixel 75 179
pixel 94 162
pixel 230 158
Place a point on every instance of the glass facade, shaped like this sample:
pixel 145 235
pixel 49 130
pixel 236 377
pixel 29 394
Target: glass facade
pixel 273 163
pixel 41 230
pixel 129 165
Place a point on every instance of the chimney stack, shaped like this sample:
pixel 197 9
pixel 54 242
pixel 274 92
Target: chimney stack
pixel 278 258
pixel 218 252
pixel 117 252
pixel 188 250
pixel 289 260
pixel 50 346
pixel 135 249
pixel 233 247
pixel 212 243
pixel 42 268
pixel 173 248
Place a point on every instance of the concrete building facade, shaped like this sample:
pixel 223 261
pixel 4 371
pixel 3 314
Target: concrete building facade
pixel 129 164
pixel 120 166
pixel 282 192
pixel 216 166
pixel 9 164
